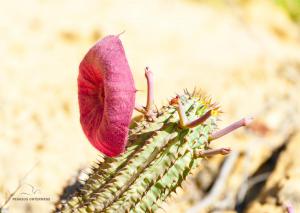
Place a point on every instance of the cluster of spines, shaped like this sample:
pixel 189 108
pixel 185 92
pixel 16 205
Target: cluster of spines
pixel 160 156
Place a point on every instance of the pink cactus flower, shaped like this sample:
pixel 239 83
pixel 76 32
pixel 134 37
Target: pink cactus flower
pixel 106 95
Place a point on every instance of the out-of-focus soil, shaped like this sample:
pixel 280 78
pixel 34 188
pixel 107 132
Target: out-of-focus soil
pixel 247 57
pixel 282 188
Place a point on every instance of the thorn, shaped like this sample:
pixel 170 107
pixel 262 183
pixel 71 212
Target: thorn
pixel 189 149
pixel 118 35
pixel 139 90
pixel 155 133
pixel 230 128
pixel 186 92
pixel 156 108
pixel 139 108
pixel 212 152
pixel 185 139
pixel 189 94
pixel 194 92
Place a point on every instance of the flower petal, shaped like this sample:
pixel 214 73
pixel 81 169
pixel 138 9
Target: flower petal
pixel 106 95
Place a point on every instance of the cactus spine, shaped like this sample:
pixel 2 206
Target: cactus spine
pixel 158 159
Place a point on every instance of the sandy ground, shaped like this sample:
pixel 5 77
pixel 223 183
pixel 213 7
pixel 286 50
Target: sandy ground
pixel 247 58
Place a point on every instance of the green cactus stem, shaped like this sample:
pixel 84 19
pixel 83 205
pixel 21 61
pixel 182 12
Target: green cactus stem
pixel 160 155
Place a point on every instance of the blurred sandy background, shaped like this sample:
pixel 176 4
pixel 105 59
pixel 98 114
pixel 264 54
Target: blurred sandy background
pixel 245 54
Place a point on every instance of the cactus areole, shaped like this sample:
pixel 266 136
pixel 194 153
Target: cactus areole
pixel 106 95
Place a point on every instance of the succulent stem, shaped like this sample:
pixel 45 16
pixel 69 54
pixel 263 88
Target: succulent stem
pixel 212 152
pixel 158 158
pixel 148 111
pixel 150 89
pixel 183 120
pixel 230 128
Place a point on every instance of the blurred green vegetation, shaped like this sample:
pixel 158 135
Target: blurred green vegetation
pixel 292 7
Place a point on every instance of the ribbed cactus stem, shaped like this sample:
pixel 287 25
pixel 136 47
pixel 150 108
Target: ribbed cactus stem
pixel 159 157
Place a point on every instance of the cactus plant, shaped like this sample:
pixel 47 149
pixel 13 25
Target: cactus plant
pixel 159 157
pixel 162 149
